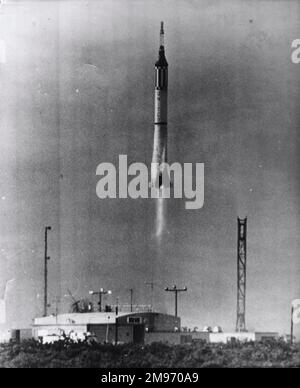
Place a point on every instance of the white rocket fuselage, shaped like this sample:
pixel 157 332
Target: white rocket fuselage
pixel 160 151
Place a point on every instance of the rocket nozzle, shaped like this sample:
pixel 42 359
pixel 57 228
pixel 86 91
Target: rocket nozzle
pixel 160 181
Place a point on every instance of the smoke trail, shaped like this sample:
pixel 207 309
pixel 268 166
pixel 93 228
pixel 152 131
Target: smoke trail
pixel 3 303
pixel 157 300
pixel 160 219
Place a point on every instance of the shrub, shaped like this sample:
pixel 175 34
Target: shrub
pixel 67 354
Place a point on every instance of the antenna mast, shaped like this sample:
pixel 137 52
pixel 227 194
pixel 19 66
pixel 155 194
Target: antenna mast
pixel 241 272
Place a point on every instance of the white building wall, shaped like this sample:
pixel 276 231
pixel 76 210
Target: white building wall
pixel 227 337
pixel 264 336
pixel 42 331
pixel 79 318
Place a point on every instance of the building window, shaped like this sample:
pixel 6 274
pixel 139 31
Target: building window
pixel 134 320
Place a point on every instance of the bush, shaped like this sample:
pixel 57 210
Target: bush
pixel 67 354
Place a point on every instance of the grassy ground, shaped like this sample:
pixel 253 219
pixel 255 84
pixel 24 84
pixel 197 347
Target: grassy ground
pixel 31 354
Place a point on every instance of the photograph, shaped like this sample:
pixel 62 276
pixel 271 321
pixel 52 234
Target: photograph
pixel 149 187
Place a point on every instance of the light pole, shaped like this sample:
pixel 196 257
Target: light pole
pixel 175 290
pixel 46 258
pixel 107 330
pixel 100 293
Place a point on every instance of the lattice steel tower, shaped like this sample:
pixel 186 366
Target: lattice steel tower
pixel 241 273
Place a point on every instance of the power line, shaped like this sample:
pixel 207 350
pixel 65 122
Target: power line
pixel 151 284
pixel 46 258
pixel 131 298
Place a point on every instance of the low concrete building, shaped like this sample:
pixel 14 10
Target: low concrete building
pixel 143 327
pixel 16 335
pixel 242 336
pixel 127 327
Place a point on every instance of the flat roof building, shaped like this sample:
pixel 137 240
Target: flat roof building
pixel 241 336
pixel 135 327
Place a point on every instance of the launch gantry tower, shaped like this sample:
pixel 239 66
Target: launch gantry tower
pixel 241 274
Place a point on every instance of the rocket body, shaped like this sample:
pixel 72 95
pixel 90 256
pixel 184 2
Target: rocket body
pixel 160 143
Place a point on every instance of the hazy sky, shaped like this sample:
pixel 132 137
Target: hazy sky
pixel 233 105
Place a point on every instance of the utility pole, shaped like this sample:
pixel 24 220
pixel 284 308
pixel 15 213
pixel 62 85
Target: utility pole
pixel 241 274
pixel 117 322
pixel 100 293
pixel 117 305
pixel 176 290
pixel 131 299
pixel 46 258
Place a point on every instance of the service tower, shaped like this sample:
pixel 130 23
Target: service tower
pixel 160 115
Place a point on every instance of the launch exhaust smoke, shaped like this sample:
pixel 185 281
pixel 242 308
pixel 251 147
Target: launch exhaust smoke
pixel 175 181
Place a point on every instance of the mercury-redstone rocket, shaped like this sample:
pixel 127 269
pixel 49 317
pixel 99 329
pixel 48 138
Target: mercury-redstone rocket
pixel 160 115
